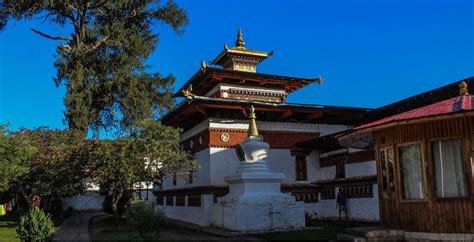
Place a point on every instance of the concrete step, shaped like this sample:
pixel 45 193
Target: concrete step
pixel 348 237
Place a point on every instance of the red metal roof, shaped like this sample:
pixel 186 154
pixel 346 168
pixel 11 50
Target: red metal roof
pixel 452 105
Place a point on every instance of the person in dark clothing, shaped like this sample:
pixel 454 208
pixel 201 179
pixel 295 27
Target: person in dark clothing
pixel 341 203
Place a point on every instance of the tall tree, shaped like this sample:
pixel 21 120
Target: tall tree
pixel 101 62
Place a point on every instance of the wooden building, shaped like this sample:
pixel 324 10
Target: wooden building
pixel 425 163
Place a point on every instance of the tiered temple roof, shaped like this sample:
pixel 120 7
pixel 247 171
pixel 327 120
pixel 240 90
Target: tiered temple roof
pixel 229 91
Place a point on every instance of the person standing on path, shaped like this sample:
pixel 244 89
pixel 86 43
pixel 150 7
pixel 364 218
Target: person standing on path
pixel 341 203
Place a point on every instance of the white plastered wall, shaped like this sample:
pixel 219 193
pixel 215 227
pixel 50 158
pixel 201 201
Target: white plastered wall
pixel 361 169
pixel 358 208
pixel 202 176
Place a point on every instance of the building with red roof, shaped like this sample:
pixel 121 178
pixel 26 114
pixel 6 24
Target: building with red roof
pixel 425 166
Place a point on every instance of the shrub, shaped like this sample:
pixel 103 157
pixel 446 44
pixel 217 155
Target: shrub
pixel 35 226
pixel 145 219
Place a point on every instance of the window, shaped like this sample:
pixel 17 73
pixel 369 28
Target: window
pixel 301 173
pixel 411 171
pixel 341 166
pixel 449 169
pixel 387 166
pixel 383 168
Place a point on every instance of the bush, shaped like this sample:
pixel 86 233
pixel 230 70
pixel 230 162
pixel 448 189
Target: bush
pixel 145 219
pixel 35 226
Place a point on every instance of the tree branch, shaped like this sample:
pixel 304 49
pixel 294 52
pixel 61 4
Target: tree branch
pixel 99 42
pixel 82 19
pixel 51 37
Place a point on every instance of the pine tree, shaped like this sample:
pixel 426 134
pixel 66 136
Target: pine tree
pixel 101 63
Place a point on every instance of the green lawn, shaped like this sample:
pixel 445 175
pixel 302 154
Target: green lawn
pixel 8 231
pixel 327 230
pixel 102 228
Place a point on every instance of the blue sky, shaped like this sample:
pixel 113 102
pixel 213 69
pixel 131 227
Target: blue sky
pixel 370 53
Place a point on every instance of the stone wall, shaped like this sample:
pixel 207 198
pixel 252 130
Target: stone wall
pixel 86 201
pixel 91 200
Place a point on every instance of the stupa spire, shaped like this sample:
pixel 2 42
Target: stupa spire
pixel 239 43
pixel 253 131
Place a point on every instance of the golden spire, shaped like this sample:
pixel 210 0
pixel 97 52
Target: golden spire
pixel 239 43
pixel 253 131
pixel 463 88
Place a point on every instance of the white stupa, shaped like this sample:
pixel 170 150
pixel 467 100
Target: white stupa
pixel 255 201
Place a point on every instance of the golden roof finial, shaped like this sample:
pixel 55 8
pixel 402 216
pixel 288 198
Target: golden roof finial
pixel 239 43
pixel 203 65
pixel 463 88
pixel 253 131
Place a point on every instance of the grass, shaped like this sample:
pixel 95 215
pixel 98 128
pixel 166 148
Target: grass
pixel 8 230
pixel 326 230
pixel 102 228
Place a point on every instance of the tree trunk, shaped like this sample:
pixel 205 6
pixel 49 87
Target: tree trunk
pixel 26 197
pixel 116 195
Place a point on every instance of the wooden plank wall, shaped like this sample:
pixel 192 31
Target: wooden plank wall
pixel 432 214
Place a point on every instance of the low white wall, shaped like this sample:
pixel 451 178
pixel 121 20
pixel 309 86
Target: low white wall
pixel 93 201
pixel 197 215
pixel 86 201
pixel 357 208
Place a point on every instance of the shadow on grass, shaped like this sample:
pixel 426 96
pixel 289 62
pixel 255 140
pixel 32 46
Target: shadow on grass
pixel 323 230
pixel 5 224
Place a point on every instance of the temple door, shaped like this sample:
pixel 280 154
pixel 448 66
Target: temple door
pixel 387 191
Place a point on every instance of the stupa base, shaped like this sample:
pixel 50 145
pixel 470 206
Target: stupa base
pixel 258 216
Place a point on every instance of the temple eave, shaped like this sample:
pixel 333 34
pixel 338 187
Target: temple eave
pixel 206 78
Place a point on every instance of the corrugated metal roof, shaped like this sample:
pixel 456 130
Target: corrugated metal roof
pixel 452 105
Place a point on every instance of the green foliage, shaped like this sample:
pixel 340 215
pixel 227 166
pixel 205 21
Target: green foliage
pixel 101 62
pixel 145 219
pixel 56 168
pixel 14 151
pixel 35 226
pixel 162 146
pixel 117 164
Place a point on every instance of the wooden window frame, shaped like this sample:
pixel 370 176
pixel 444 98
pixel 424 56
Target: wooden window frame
pixel 304 163
pixel 423 170
pixel 340 166
pixel 386 193
pixel 465 163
